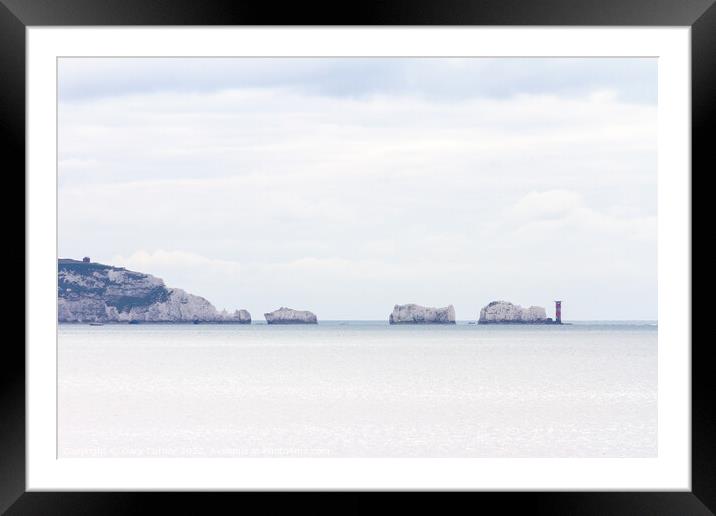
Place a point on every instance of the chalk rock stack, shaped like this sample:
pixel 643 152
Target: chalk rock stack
pixel 508 313
pixel 240 316
pixel 289 316
pixel 416 314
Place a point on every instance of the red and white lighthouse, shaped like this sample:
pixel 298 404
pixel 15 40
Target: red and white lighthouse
pixel 558 312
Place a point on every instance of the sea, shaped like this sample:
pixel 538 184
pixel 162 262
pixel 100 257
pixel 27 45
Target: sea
pixel 358 389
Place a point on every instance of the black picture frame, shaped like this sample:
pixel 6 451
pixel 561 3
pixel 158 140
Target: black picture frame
pixel 16 15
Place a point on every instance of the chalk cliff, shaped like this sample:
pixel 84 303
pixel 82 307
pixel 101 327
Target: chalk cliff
pixel 416 314
pixel 289 316
pixel 506 313
pixel 93 292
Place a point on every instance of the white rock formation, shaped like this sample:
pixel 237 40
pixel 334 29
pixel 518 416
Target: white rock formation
pixel 92 292
pixel 289 316
pixel 504 312
pixel 416 314
pixel 179 306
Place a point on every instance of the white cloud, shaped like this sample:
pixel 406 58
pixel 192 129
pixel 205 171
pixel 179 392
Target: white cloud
pixel 144 260
pixel 556 211
pixel 547 205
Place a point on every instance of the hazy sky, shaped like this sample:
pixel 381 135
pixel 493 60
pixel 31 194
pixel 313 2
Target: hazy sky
pixel 345 186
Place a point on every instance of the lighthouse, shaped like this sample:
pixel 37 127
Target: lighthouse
pixel 558 312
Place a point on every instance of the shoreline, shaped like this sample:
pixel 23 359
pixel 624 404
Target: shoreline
pixel 371 322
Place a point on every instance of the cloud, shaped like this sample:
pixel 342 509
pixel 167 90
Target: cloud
pixel 447 79
pixel 235 133
pixel 554 204
pixel 558 211
pixel 146 261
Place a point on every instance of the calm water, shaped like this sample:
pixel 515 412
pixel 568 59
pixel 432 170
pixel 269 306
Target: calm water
pixel 358 389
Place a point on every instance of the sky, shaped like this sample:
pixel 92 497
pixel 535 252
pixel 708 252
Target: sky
pixel 348 185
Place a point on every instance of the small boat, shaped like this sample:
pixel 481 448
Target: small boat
pixel 96 324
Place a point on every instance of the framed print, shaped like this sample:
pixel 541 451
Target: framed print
pixel 442 249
